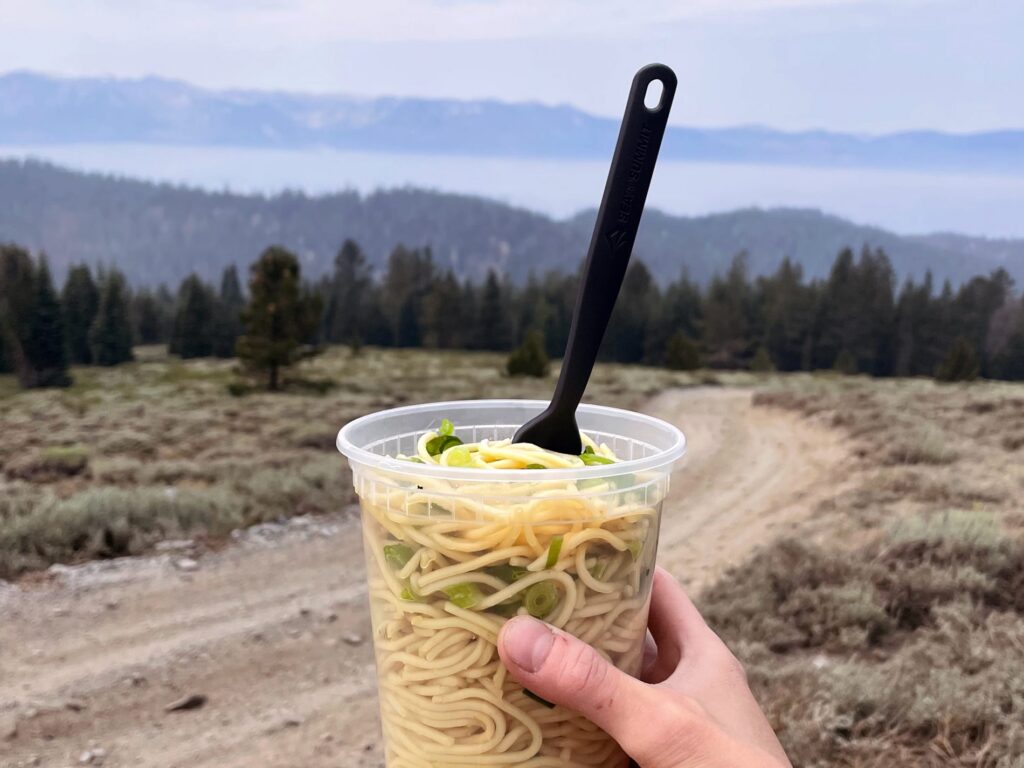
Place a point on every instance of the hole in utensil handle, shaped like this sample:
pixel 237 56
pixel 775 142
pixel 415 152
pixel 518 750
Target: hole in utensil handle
pixel 655 92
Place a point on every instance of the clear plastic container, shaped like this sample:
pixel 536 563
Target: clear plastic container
pixel 452 553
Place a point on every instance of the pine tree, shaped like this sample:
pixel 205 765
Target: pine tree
pixel 1009 362
pixel 149 326
pixel 348 294
pixel 110 337
pixel 560 296
pixel 494 330
pixel 833 319
pixel 44 344
pixel 280 317
pixel 408 333
pixel 788 311
pixel 974 306
pixel 17 283
pixel 637 304
pixel 730 316
pixel 679 311
pixel 857 313
pixel 81 300
pixel 193 324
pixel 917 349
pixel 409 276
pixel 227 315
pixel 444 325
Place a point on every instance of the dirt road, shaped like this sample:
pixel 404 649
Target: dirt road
pixel 273 630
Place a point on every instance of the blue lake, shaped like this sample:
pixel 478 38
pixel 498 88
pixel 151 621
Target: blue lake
pixel 906 202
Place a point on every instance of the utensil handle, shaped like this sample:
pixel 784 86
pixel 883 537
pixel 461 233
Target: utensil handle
pixel 618 219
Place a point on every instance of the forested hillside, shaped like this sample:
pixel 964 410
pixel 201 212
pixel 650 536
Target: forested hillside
pixel 157 233
pixel 857 320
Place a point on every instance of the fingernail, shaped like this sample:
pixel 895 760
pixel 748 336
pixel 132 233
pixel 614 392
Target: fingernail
pixel 527 642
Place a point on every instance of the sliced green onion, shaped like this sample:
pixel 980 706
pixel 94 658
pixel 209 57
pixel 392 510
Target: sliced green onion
pixel 554 550
pixel 588 450
pixel 397 555
pixel 592 459
pixel 599 568
pixel 534 466
pixel 635 548
pixel 540 599
pixel 459 456
pixel 506 572
pixel 464 595
pixel 438 445
pixel 538 699
pixel 447 428
pixel 409 594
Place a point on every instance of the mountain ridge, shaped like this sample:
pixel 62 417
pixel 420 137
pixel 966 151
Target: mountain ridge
pixel 41 109
pixel 158 232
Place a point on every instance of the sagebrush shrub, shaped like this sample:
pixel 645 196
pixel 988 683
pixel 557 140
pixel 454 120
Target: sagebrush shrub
pixel 904 652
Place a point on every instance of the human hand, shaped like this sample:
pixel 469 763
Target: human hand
pixel 692 709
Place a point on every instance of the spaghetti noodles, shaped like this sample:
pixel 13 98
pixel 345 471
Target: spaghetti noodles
pixel 446 568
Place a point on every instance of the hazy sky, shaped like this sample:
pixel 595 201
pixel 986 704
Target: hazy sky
pixel 861 65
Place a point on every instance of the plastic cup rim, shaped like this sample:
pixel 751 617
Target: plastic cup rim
pixel 663 460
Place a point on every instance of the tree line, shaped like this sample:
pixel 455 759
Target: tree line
pixel 856 320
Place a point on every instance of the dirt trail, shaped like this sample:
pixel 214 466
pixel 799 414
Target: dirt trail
pixel 274 629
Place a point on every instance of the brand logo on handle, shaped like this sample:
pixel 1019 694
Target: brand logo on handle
pixel 617 236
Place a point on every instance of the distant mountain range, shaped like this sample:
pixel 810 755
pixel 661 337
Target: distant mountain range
pixel 37 109
pixel 160 233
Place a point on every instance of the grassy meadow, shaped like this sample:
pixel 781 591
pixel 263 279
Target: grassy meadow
pixel 891 633
pixel 160 449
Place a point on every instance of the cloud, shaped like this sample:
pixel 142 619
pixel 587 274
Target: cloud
pixel 281 21
pixel 871 65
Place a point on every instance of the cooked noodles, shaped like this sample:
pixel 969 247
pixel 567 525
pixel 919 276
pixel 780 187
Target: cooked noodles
pixel 449 565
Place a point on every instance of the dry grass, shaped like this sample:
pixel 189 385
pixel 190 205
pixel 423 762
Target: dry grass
pixel 893 634
pixel 86 472
pixel 909 651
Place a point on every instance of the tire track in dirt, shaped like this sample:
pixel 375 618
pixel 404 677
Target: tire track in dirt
pixel 277 635
pixel 751 474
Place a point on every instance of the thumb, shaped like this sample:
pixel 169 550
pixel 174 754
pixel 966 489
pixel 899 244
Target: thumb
pixel 564 670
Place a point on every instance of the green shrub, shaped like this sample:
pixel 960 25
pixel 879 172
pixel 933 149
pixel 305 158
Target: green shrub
pixel 310 385
pixel 110 522
pixel 960 364
pixel 17 500
pixel 239 388
pixel 314 487
pixel 904 652
pixel 762 362
pixel 49 464
pixel 921 446
pixel 681 353
pixel 529 359
pixel 845 363
pixel 320 438
pixel 128 441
